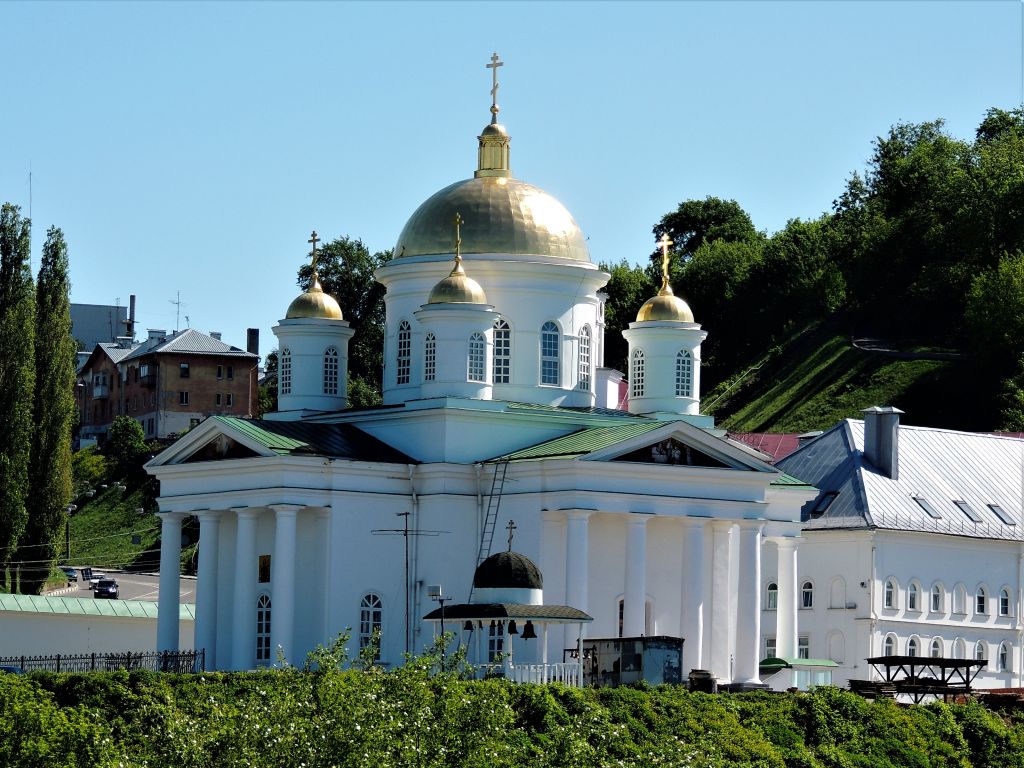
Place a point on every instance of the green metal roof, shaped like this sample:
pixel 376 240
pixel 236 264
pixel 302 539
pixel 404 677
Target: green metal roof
pixel 789 480
pixel 76 606
pixel 582 442
pixel 335 440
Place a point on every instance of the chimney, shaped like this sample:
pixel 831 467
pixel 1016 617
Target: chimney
pixel 252 341
pixel 131 317
pixel 215 335
pixel 155 334
pixel 881 439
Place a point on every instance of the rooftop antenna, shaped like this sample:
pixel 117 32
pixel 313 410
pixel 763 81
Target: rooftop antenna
pixel 178 303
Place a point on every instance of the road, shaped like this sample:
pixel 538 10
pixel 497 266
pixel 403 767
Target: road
pixel 134 586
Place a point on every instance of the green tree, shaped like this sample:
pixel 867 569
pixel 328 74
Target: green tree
pixel 696 222
pixel 126 443
pixel 346 268
pixel 50 463
pixel 628 288
pixel 17 378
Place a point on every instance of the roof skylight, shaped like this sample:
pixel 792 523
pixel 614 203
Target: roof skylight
pixel 968 510
pixel 924 504
pixel 1001 514
pixel 824 503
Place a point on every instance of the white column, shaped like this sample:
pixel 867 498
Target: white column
pixel 243 648
pixel 785 618
pixel 282 584
pixel 748 605
pixel 576 554
pixel 323 522
pixel 691 624
pixel 170 581
pixel 206 586
pixel 635 593
pixel 721 600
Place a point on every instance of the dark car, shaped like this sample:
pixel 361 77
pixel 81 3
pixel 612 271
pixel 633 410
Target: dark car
pixel 106 588
pixel 70 572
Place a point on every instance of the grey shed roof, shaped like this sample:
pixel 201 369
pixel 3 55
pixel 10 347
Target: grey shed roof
pixel 115 352
pixel 937 465
pixel 189 341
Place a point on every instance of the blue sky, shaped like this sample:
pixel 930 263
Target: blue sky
pixel 193 146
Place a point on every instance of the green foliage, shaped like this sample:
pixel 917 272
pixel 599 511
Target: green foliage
pixel 629 286
pixel 126 443
pixel 695 222
pixel 88 469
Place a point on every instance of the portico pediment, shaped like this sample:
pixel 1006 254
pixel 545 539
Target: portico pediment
pixel 671 451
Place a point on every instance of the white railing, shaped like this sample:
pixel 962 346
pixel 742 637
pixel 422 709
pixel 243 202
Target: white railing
pixel 567 673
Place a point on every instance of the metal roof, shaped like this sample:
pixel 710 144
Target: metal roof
pixel 188 341
pixel 582 442
pixel 343 441
pixel 938 465
pixel 552 613
pixel 76 606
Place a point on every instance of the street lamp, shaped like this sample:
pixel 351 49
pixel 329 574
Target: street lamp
pixel 435 593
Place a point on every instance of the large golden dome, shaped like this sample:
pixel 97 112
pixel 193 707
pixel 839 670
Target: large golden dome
pixel 502 215
pixel 314 303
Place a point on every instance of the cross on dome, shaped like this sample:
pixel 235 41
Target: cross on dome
pixel 458 243
pixel 511 527
pixel 664 242
pixel 493 66
pixel 314 239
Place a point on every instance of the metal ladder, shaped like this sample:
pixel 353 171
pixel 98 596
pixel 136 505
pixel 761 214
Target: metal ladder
pixel 491 518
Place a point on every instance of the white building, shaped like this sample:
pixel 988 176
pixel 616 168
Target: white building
pixel 912 547
pixel 650 521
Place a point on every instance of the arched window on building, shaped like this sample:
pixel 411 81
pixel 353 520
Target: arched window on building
pixel 404 353
pixel 330 371
pixel 1003 659
pixel 1004 602
pixel 771 598
pixel 371 621
pixel 477 358
pixel 549 354
pixel 584 360
pixel 980 651
pixel 263 629
pixel 502 352
pixel 889 649
pixel 981 601
pixel 913 597
pixel 890 593
pixel 959 648
pixel 937 648
pixel 913 647
pixel 284 383
pixel 429 357
pixel 807 595
pixel 636 374
pixel 684 373
pixel 960 599
pixel 936 598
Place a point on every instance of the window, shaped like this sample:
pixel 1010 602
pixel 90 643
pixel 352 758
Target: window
pixel 264 569
pixel 926 505
pixel 636 374
pixel 803 647
pixel 913 597
pixel 1004 602
pixel 807 595
pixel 890 646
pixel 430 357
pixel 263 629
pixel 230 399
pixel 231 372
pixel 183 398
pixel 684 373
pixel 980 652
pixel 1003 659
pixel 216 399
pixel 285 375
pixel 622 615
pixel 475 363
pixel 959 648
pixel 999 512
pixel 404 353
pixel 771 601
pixel 968 511
pixel 549 354
pixel 584 374
pixel 149 426
pixel 937 648
pixel 330 371
pixel 371 621
pixel 960 599
pixel 184 370
pixel 890 594
pixel 769 647
pixel 495 641
pixel 981 601
pixel 220 371
pixel 936 605
pixel 502 362
pixel 913 647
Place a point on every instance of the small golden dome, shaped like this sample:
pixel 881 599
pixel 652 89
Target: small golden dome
pixel 457 288
pixel 665 306
pixel 314 303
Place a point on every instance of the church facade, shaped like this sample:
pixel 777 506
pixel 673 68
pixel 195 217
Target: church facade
pixel 497 431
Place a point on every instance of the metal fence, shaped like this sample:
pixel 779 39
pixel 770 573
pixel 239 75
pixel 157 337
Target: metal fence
pixel 166 661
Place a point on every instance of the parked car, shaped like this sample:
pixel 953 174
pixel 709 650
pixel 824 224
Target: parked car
pixel 106 588
pixel 70 572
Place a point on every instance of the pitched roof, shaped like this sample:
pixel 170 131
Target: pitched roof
pixel 775 446
pixel 76 606
pixel 938 466
pixel 582 442
pixel 188 341
pixel 342 441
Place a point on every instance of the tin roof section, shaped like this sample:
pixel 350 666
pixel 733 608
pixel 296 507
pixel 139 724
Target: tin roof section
pixel 76 606
pixel 339 441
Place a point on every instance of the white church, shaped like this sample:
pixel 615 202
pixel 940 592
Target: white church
pixel 500 429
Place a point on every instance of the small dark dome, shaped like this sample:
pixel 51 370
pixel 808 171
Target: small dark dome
pixel 507 570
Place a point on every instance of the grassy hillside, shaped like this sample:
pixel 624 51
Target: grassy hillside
pixel 817 377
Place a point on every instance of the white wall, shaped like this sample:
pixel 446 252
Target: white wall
pixel 44 634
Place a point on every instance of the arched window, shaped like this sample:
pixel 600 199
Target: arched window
pixel 1003 659
pixel 937 648
pixel 1004 602
pixel 549 354
pixel 263 629
pixel 960 599
pixel 890 593
pixel 981 601
pixel 807 595
pixel 913 597
pixel 331 371
pixel 502 352
pixel 890 646
pixel 284 383
pixel 584 373
pixel 475 363
pixel 684 373
pixel 937 596
pixel 371 620
pixel 959 648
pixel 913 647
pixel 980 652
pixel 636 374
pixel 837 593
pixel 771 600
pixel 429 357
pixel 404 353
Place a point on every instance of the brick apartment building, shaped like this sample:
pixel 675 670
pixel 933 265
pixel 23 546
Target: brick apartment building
pixel 168 383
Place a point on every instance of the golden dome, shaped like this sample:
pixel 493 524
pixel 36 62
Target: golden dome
pixel 457 288
pixel 314 303
pixel 665 306
pixel 503 215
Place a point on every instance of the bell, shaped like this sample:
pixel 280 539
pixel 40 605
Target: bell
pixel 528 633
pixel 512 630
pixel 468 626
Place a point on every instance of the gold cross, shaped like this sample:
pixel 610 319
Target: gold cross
pixel 511 527
pixel 314 239
pixel 458 242
pixel 493 66
pixel 664 243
